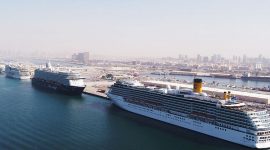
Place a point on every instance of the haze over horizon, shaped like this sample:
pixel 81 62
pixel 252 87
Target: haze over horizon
pixel 136 28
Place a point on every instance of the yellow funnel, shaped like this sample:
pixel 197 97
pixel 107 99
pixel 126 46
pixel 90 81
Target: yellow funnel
pixel 197 86
pixel 225 96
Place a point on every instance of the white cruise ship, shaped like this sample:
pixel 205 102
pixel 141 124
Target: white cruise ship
pixel 17 72
pixel 224 118
pixel 66 82
pixel 2 68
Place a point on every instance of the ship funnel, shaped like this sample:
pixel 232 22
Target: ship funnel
pixel 225 96
pixel 197 85
pixel 229 96
pixel 48 65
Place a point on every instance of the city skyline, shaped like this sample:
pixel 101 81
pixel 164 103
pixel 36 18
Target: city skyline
pixel 141 74
pixel 136 29
pixel 92 54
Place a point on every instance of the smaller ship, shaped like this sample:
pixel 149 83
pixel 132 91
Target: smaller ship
pixel 66 82
pixel 223 75
pixel 248 77
pixel 159 73
pixel 2 69
pixel 17 72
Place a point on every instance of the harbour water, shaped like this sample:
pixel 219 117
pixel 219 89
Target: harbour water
pixel 34 119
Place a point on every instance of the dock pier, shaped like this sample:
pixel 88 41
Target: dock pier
pixel 97 89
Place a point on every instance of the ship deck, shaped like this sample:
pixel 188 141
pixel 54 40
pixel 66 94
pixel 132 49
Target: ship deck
pixel 264 97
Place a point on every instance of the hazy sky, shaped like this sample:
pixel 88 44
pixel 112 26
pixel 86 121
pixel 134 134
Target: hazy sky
pixel 136 27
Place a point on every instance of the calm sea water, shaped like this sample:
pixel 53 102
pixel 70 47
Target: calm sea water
pixel 34 119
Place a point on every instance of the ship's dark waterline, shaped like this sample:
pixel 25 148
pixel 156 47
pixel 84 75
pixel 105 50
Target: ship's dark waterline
pixel 35 119
pixel 55 87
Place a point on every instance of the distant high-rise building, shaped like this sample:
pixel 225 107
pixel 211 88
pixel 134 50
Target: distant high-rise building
pixel 205 59
pixel 135 62
pixel 81 57
pixel 235 59
pixel 239 59
pixel 214 58
pixel 244 59
pixel 260 58
pixel 179 56
pixel 199 58
pixel 74 56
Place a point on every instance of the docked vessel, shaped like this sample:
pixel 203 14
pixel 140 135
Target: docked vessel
pixel 66 82
pixel 248 77
pixel 256 78
pixel 223 75
pixel 225 118
pixel 2 68
pixel 17 72
pixel 159 73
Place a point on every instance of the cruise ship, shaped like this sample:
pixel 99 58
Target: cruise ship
pixel 225 118
pixel 66 82
pixel 248 76
pixel 17 72
pixel 2 68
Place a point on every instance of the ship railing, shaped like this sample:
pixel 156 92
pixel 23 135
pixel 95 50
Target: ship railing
pixel 202 119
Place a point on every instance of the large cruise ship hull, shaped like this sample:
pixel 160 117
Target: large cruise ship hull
pixel 195 125
pixel 52 86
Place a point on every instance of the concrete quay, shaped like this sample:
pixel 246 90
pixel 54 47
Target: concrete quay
pixel 97 88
